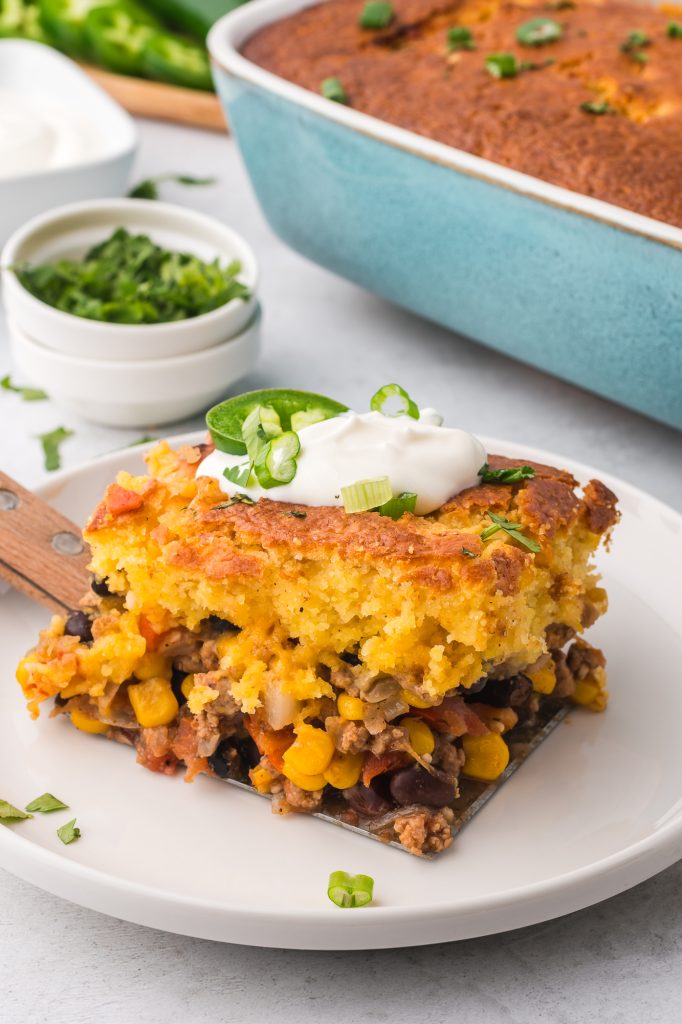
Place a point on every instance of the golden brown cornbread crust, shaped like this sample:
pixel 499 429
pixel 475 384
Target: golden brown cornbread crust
pixel 406 594
pixel 533 122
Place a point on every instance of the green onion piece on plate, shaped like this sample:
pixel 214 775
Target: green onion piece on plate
pixel 395 507
pixel 381 397
pixel 376 14
pixel 332 89
pixel 539 31
pixel 346 890
pixel 366 494
pixel 276 465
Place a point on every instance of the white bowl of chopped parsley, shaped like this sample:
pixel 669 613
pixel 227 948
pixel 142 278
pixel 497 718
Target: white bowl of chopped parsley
pixel 128 279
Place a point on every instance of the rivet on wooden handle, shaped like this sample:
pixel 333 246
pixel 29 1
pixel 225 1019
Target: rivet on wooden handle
pixel 42 552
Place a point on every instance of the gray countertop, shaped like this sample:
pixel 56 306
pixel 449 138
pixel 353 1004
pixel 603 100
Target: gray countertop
pixel 616 963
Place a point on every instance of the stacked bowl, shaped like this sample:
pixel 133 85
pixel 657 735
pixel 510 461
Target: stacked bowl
pixel 122 374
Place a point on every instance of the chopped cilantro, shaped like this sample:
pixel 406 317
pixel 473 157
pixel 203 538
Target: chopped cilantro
pixel 27 394
pixel 469 553
pixel 51 442
pixel 149 188
pixel 46 803
pixel 9 813
pixel 459 38
pixel 512 530
pixel 505 476
pixel 332 89
pixel 69 833
pixel 376 14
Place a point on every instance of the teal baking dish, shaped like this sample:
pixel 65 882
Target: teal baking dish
pixel 583 289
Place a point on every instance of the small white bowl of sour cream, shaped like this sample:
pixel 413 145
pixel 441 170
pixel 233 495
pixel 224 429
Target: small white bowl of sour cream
pixel 70 231
pixel 62 137
pixel 138 393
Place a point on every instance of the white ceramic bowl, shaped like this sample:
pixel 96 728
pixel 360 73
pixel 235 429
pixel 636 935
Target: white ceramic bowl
pixel 32 69
pixel 68 232
pixel 139 393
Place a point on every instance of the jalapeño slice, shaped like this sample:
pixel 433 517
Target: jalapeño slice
pixel 225 421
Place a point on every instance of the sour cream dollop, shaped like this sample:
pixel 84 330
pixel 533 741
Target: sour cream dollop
pixel 41 133
pixel 422 456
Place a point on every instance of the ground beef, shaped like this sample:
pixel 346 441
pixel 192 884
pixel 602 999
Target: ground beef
pixel 297 799
pixel 225 703
pixel 423 832
pixel 583 659
pixel 558 635
pixel 154 750
pixel 565 683
pixel 392 738
pixel 447 756
pixel 208 732
pixel 348 737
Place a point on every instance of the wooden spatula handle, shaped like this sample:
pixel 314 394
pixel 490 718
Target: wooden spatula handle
pixel 42 552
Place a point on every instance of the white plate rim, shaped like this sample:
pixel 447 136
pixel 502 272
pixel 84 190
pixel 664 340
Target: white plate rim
pixel 147 904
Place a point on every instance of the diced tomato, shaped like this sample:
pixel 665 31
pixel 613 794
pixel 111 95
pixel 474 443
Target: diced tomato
pixel 120 499
pixel 273 743
pixel 149 633
pixel 185 748
pixel 453 717
pixel 378 764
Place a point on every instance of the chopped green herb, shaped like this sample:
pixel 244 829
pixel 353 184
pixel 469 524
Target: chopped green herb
pixel 46 803
pixel 272 451
pixel 332 89
pixel 376 14
pixel 592 107
pixel 128 279
pixel 406 406
pixel 149 189
pixel 51 442
pixel 394 508
pixel 459 38
pixel 502 65
pixel 236 499
pixel 674 30
pixel 350 890
pixel 560 5
pixel 9 813
pixel 141 440
pixel 531 65
pixel 632 46
pixel 27 394
pixel 468 553
pixel 69 833
pixel 366 495
pixel 512 530
pixel 240 474
pixel 505 476
pixel 539 31
pixel 296 513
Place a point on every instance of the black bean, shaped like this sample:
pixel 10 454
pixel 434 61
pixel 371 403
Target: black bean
pixel 78 624
pixel 219 625
pixel 60 701
pixel 503 693
pixel 100 587
pixel 366 801
pixel 177 679
pixel 350 658
pixel 220 761
pixel 248 751
pixel 417 786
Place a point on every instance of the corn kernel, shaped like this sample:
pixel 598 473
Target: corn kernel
pixel 85 723
pixel 585 692
pixel 311 751
pixel 344 770
pixel 413 700
pixel 303 781
pixel 22 673
pixel 153 664
pixel 421 737
pixel 350 708
pixel 261 779
pixel 544 680
pixel 486 757
pixel 153 702
pixel 187 685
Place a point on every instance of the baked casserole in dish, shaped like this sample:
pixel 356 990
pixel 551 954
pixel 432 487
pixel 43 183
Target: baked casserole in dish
pixel 509 170
pixel 379 667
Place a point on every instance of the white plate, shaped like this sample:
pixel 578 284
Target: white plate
pixel 594 811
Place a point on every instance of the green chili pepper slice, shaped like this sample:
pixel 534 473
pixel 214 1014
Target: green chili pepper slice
pixel 20 19
pixel 350 890
pixel 116 38
pixel 226 420
pixel 177 61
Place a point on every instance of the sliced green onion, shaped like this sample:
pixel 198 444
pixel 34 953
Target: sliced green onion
pixel 512 530
pixel 459 38
pixel 350 890
pixel 260 425
pixel 332 89
pixel 505 476
pixel 277 463
pixel 69 832
pixel 306 418
pixel 407 406
pixel 502 65
pixel 240 474
pixel 366 494
pixel 395 507
pixel 539 31
pixel 46 803
pixel 376 14
pixel 592 107
pixel 674 30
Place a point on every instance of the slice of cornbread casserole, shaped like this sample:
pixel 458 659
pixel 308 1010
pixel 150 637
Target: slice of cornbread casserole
pixel 373 668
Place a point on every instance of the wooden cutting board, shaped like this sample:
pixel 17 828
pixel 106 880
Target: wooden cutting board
pixel 162 102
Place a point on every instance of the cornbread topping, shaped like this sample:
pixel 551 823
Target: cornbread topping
pixel 419 456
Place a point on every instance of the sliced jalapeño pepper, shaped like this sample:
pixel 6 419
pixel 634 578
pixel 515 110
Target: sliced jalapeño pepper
pixel 116 37
pixel 295 409
pixel 177 61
